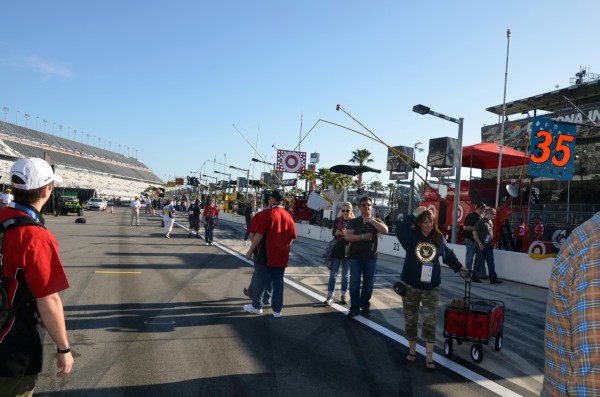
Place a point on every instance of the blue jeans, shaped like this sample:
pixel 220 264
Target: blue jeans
pixel 486 256
pixel 263 273
pixel 365 269
pixel 267 293
pixel 472 249
pixel 208 236
pixel 335 267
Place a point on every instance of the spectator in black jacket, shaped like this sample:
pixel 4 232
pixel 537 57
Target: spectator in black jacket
pixel 424 245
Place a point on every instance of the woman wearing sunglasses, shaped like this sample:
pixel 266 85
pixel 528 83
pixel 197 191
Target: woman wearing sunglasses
pixel 338 255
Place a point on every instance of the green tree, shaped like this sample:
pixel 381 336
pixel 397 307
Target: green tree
pixel 391 189
pixel 309 176
pixel 361 156
pixel 325 176
pixel 341 181
pixel 376 186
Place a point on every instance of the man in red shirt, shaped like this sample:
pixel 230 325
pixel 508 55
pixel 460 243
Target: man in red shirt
pixel 521 232
pixel 211 219
pixel 273 238
pixel 35 275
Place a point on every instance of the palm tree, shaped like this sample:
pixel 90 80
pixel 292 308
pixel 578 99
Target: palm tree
pixel 376 186
pixel 341 181
pixel 325 176
pixel 391 189
pixel 361 156
pixel 309 176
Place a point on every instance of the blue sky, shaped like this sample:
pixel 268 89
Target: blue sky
pixel 169 80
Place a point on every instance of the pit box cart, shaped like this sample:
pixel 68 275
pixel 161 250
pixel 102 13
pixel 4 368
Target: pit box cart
pixel 473 321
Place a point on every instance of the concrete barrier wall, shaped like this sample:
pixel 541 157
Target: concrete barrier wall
pixel 511 266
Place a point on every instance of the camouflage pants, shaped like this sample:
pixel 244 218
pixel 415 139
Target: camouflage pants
pixel 429 299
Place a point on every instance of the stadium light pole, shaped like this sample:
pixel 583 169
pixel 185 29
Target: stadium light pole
pixel 5 109
pixel 422 109
pixel 228 178
pixel 27 116
pixel 247 178
pixel 412 181
pixel 17 117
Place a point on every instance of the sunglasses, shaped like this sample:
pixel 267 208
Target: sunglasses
pixel 345 210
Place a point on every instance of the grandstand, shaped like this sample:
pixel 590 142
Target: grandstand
pixel 81 166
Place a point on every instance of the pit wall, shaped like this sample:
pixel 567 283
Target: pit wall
pixel 511 266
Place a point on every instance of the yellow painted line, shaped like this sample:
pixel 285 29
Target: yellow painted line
pixel 109 272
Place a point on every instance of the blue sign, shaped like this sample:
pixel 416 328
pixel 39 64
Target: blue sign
pixel 552 149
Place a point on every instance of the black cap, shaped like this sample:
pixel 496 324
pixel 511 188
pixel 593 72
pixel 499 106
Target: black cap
pixel 480 206
pixel 276 195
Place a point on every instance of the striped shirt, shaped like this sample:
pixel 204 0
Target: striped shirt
pixel 572 330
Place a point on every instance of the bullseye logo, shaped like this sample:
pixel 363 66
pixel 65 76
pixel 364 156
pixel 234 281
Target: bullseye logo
pixel 290 161
pixel 537 247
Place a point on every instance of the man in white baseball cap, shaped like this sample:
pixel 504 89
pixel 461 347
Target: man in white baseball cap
pixel 30 246
pixel 28 174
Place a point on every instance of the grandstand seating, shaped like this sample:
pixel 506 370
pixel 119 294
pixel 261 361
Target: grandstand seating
pixel 81 165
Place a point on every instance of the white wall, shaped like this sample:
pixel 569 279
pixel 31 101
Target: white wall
pixel 511 266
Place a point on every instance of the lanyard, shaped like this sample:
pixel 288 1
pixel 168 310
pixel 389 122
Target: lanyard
pixel 24 209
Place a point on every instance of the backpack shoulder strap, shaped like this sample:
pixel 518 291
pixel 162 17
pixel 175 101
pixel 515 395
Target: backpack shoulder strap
pixel 15 222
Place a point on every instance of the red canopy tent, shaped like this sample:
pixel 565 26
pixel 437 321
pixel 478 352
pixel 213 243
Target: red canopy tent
pixel 486 155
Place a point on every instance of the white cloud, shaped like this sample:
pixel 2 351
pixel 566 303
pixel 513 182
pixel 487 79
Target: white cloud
pixel 48 68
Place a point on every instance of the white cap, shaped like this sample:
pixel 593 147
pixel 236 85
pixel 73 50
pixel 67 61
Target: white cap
pixel 28 174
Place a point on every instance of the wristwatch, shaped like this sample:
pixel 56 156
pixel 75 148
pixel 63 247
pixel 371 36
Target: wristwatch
pixel 63 351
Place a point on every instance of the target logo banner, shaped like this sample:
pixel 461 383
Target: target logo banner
pixel 291 161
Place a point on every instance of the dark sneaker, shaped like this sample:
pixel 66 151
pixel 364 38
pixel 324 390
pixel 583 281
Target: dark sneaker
pixel 351 314
pixel 343 300
pixel 484 277
pixel 365 311
pixel 245 291
pixel 329 300
pixel 476 280
pixel 496 282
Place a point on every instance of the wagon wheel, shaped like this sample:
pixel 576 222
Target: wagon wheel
pixel 477 353
pixel 448 348
pixel 498 342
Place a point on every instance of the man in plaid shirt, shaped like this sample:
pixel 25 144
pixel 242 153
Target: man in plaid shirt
pixel 572 334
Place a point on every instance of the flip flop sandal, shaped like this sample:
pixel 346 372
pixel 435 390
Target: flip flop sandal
pixel 430 365
pixel 411 358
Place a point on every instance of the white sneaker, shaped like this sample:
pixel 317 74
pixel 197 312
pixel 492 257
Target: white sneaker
pixel 250 309
pixel 277 315
pixel 246 243
pixel 329 300
pixel 207 244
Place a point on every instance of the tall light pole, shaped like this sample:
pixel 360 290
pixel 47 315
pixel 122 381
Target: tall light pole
pixel 228 178
pixel 17 117
pixel 421 109
pixel 412 181
pixel 5 109
pixel 503 119
pixel 44 122
pixel 247 178
pixel 27 116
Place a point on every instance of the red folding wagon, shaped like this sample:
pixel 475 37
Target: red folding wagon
pixel 473 321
